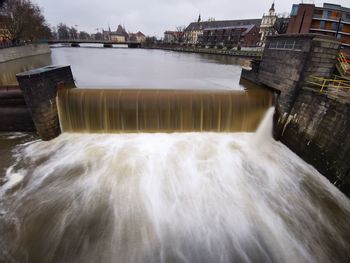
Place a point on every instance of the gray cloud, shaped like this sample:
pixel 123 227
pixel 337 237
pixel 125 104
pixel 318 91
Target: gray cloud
pixel 153 17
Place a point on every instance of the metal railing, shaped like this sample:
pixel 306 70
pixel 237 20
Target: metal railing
pixel 327 84
pixel 344 64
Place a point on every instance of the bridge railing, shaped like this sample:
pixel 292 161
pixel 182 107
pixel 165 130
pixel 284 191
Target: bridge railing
pixel 328 84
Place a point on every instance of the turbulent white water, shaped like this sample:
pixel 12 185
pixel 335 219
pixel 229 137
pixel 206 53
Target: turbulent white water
pixel 189 197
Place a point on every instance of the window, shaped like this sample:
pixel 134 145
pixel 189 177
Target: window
pixel 346 17
pixel 327 14
pixel 334 26
pixel 294 11
pixel 322 25
pixel 286 44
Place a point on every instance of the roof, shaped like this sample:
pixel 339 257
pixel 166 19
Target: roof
pixel 174 33
pixel 196 26
pixel 247 28
pixel 138 34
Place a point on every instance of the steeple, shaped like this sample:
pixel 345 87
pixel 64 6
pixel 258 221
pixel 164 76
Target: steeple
pixel 272 9
pixel 199 18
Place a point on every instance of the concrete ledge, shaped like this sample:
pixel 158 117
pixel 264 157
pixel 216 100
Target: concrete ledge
pixel 12 53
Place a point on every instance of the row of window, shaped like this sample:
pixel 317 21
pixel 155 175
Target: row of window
pixel 334 26
pixel 328 15
pixel 286 44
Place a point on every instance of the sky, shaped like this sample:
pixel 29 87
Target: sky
pixel 153 17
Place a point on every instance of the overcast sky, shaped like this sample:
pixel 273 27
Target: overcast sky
pixel 153 17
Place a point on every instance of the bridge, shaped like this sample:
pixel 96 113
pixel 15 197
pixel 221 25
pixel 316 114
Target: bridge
pixel 105 43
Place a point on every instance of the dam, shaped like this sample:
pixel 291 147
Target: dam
pixel 161 175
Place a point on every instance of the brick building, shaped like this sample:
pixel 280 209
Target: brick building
pixel 246 36
pixel 332 20
pixel 194 31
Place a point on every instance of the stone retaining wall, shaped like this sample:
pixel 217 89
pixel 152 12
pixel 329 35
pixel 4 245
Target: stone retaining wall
pixel 12 53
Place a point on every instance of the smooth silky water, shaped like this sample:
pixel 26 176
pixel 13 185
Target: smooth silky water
pixel 169 197
pixel 133 180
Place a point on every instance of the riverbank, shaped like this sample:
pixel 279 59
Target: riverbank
pixel 213 51
pixel 13 53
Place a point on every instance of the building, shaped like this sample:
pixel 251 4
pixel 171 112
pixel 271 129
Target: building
pixel 4 33
pixel 137 37
pixel 117 37
pixel 172 36
pixel 195 30
pixel 246 36
pixel 331 19
pixel 267 24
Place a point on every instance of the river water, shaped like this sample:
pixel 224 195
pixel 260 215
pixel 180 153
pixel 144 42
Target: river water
pixel 165 197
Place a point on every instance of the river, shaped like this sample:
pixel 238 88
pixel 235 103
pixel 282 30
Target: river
pixel 164 196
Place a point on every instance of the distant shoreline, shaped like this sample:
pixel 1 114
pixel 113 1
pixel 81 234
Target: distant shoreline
pixel 212 51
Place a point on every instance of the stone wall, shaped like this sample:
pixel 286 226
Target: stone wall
pixel 12 53
pixel 39 87
pixel 312 124
pixel 317 129
pixel 287 70
pixel 14 113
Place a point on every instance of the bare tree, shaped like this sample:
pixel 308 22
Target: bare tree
pixel 73 33
pixel 24 20
pixel 84 35
pixel 179 33
pixel 63 31
pixel 281 25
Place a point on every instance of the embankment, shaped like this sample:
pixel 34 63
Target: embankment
pixel 12 53
pixel 213 51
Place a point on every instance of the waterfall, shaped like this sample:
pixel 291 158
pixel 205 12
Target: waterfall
pixel 111 111
pixel 169 197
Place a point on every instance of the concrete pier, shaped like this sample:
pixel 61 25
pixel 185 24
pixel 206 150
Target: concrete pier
pixel 39 89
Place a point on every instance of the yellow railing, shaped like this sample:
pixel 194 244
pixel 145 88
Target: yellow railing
pixel 328 84
pixel 344 64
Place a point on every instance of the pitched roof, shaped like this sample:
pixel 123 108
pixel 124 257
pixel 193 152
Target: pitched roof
pixel 247 28
pixel 196 26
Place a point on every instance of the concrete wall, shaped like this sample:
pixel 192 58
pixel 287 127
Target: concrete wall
pixel 12 53
pixel 286 70
pixel 39 88
pixel 317 130
pixel 14 113
pixel 312 124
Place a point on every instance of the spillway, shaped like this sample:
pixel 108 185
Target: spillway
pixel 110 111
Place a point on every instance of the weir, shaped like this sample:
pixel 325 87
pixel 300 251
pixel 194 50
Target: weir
pixel 109 111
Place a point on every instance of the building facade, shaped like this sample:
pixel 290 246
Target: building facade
pixel 137 37
pixel 172 37
pixel 246 36
pixel 267 24
pixel 332 20
pixel 194 32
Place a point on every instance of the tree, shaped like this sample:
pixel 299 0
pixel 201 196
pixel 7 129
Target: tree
pixel 73 33
pixel 281 25
pixel 62 31
pixel 98 36
pixel 84 35
pixel 180 32
pixel 24 21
